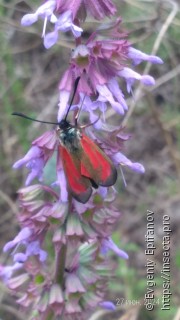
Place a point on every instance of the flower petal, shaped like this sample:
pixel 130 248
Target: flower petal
pixel 34 152
pixel 7 271
pixel 23 235
pixel 120 158
pixel 63 104
pixel 109 305
pixel 130 76
pixel 108 244
pixel 138 56
pixel 117 93
pixel 76 30
pixel 106 95
pixel 63 185
pixel 50 39
pixel 29 19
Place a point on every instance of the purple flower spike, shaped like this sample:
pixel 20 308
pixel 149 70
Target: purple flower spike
pixel 108 244
pixel 138 56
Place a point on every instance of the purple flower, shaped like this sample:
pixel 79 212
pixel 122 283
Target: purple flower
pixel 32 249
pixel 38 155
pixel 138 56
pixel 34 160
pixel 22 237
pixel 108 305
pixel 64 23
pixel 56 299
pixel 102 191
pixel 73 284
pixel 17 282
pixel 33 153
pixel 87 105
pixel 106 95
pixel 130 76
pixel 61 181
pixel 81 208
pixel 36 166
pixel 45 11
pixel 108 244
pixel 121 159
pixel 6 272
pixel 72 308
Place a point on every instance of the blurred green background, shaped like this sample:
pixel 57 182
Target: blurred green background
pixel 29 83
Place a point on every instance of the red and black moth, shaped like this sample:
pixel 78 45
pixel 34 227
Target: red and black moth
pixel 84 163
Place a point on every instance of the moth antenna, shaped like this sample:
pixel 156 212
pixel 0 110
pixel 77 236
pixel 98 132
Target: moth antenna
pixel 79 110
pixel 22 115
pixel 74 92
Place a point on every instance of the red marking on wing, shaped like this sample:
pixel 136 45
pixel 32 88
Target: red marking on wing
pixel 79 186
pixel 96 165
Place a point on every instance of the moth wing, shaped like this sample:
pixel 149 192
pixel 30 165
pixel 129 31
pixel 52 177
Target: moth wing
pixel 96 165
pixel 79 186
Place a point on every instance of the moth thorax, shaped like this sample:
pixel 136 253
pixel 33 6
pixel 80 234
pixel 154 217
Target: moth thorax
pixel 70 138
